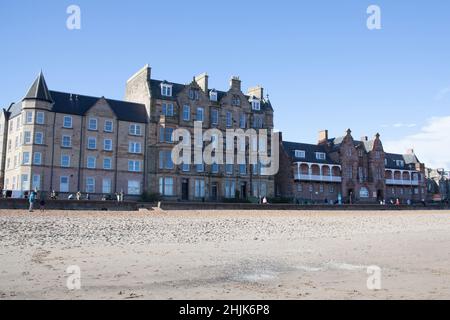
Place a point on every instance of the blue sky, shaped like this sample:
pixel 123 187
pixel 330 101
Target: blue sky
pixel 318 61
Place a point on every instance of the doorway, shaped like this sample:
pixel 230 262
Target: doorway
pixel 214 191
pixel 243 190
pixel 185 190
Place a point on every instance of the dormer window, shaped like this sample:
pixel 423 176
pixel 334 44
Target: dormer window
pixel 320 156
pixel 256 105
pixel 301 154
pixel 166 90
pixel 213 95
pixel 400 163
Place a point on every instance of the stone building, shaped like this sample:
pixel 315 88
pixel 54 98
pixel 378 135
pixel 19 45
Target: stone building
pixel 69 142
pixel 348 170
pixel 438 184
pixel 171 106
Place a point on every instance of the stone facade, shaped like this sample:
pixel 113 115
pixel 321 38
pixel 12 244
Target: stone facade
pixel 349 171
pixel 172 106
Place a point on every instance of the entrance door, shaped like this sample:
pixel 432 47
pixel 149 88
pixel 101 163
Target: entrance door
pixel 214 191
pixel 243 190
pixel 351 196
pixel 380 195
pixel 185 190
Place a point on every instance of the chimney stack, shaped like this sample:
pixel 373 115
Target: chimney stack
pixel 365 138
pixel 323 136
pixel 257 91
pixel 235 83
pixel 202 81
pixel 410 151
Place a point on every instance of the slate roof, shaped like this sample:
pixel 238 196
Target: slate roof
pixel 408 159
pixel 177 88
pixel 76 104
pixel 310 152
pixel 39 90
pixel 336 143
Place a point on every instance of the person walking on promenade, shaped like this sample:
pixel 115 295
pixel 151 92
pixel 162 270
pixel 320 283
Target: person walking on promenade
pixel 31 200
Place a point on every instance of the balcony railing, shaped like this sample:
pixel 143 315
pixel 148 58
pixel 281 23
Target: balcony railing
pixel 307 177
pixel 402 182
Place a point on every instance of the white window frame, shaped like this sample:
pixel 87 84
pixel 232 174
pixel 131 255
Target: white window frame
pixel 105 144
pixel 110 162
pixel 36 140
pixel 40 117
pixel 134 187
pixel 26 158
pixel 300 154
pixel 70 141
pixel 90 121
pixel 135 147
pixel 213 96
pixel 70 119
pixel 135 130
pixel 134 166
pixel 90 164
pixel 186 112
pixel 28 117
pixel 89 140
pixel 67 184
pixel 27 138
pixel 200 111
pixel 36 182
pixel 35 157
pixel 105 129
pixel 65 156
pixel 90 185
pixel 106 186
pixel 166 90
pixel 321 156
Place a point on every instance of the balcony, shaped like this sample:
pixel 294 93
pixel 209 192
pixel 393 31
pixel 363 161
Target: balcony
pixel 396 182
pixel 307 177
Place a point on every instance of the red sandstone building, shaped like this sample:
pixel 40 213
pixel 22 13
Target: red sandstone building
pixel 348 170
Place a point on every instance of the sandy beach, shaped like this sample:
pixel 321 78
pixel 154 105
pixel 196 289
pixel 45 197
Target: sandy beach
pixel 225 255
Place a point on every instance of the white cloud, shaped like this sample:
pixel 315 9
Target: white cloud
pixel 431 144
pixel 404 125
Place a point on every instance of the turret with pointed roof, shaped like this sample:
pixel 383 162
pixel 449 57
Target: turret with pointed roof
pixel 39 90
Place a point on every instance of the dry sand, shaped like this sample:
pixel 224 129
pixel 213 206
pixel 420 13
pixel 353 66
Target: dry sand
pixel 225 255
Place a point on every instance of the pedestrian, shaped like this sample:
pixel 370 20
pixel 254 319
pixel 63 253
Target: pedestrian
pixel 88 196
pixel 31 200
pixel 397 202
pixel 265 200
pixel 118 197
pixel 78 195
pixel 121 195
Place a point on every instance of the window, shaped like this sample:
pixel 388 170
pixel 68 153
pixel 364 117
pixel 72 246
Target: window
pixel 91 162
pixel 214 117
pixel 25 158
pixel 92 143
pixel 134 188
pixel 400 163
pixel 165 160
pixel 256 105
pixel 229 119
pixel 229 169
pixel 321 188
pixel 186 113
pixel 29 117
pixel 301 154
pixel 350 172
pixel 63 184
pixel 242 169
pixel 236 101
pixel 299 187
pixel 25 182
pixel 200 114
pixel 106 186
pixel 36 183
pixel 349 152
pixel 199 188
pixel 200 168
pixel 331 189
pixel 257 122
pixel 214 168
pixel 90 185
pixel 194 94
pixel 134 147
pixel 377 154
pixel 37 158
pixel 320 156
pixel 65 161
pixel 166 186
pixel 66 141
pixel 39 138
pixel 107 163
pixel 166 90
pixel 186 167
pixel 242 121
pixel 134 165
pixel 213 95
pixel 17 142
pixel 311 188
pixel 109 126
pixel 135 130
pixel 93 124
pixel 230 189
pixel 165 135
pixel 18 123
pixel 67 122
pixel 40 117
pixel 167 109
pixel 107 145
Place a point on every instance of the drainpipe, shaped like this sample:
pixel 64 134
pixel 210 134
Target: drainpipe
pixel 53 152
pixel 80 157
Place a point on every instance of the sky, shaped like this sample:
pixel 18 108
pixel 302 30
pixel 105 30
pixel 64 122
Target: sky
pixel 320 64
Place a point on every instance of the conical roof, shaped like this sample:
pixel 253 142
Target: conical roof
pixel 39 90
